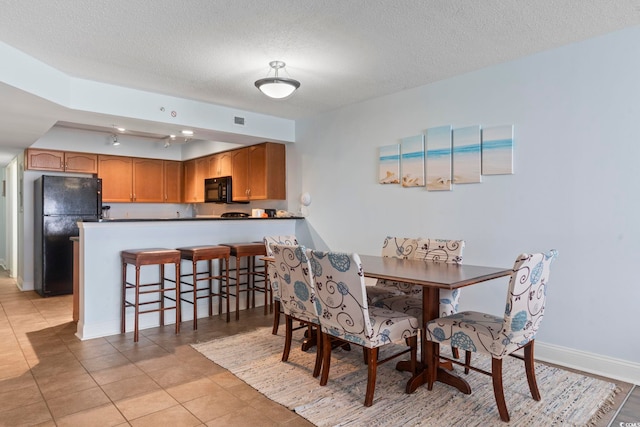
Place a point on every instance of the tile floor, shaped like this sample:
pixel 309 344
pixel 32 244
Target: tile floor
pixel 50 378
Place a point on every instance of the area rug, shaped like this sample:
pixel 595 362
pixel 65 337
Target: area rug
pixel 568 399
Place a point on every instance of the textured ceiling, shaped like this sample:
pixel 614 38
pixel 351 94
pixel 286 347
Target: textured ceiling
pixel 342 51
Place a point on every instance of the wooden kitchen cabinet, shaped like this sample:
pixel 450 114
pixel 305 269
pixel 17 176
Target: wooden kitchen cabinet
pixel 259 172
pixel 172 181
pixel 195 171
pixel 61 161
pixel 116 173
pixel 147 180
pixel 220 165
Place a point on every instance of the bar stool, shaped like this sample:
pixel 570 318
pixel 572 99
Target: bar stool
pixel 153 256
pixel 208 254
pixel 250 251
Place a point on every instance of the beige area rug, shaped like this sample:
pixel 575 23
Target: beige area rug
pixel 568 399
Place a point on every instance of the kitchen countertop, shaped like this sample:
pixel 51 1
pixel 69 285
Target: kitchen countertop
pixel 195 218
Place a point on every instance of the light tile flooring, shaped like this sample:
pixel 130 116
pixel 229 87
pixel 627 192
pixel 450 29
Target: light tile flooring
pixel 50 378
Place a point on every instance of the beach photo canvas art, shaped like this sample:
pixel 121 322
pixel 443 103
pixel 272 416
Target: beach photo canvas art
pixel 439 158
pixel 389 164
pixel 412 160
pixel 466 155
pixel 497 150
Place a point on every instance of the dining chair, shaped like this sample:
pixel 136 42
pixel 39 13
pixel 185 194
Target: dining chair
pixel 297 295
pixel 344 315
pixel 392 247
pixel 498 336
pixel 273 283
pixel 431 250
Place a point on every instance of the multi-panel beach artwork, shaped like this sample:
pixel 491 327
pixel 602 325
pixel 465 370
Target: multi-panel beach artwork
pixel 451 156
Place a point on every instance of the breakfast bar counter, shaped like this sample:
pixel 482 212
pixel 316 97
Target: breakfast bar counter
pixel 99 265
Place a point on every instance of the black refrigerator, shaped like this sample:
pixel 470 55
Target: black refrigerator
pixel 60 202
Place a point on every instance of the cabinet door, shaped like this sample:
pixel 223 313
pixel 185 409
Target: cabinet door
pixel 148 181
pixel 172 181
pixel 257 172
pixel 46 160
pixel 81 162
pixel 240 177
pixel 117 175
pixel 195 172
pixel 220 165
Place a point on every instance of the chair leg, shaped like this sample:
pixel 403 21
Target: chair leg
pixel 433 362
pixel 318 365
pixel 531 371
pixel 498 391
pixel 455 352
pixel 276 317
pixel 412 342
pixel 372 369
pixel 288 321
pixel 326 358
pixel 467 361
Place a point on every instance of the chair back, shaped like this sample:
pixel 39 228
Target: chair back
pixel 273 274
pixel 295 283
pixel 399 247
pixel 527 296
pixel 278 240
pixel 340 289
pixel 439 250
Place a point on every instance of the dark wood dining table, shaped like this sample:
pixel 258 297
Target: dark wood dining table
pixel 432 276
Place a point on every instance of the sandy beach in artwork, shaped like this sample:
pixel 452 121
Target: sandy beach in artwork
pixel 388 177
pixel 466 168
pixel 497 161
pixel 439 174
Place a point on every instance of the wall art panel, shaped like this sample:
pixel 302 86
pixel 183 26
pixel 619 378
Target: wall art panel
pixel 467 162
pixel 389 164
pixel 497 150
pixel 412 161
pixel 439 158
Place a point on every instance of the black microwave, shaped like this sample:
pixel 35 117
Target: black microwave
pixel 218 190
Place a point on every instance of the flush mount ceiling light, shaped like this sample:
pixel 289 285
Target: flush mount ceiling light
pixel 277 87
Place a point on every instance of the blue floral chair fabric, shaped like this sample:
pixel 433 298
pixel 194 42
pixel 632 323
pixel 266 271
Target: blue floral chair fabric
pixel 297 294
pixel 344 314
pixel 271 277
pixel 393 247
pixel 500 336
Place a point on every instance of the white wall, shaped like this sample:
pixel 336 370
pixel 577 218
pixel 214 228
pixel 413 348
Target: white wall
pixel 575 187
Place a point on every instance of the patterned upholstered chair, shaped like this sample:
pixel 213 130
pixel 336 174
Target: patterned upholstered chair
pixel 273 283
pixel 433 250
pixel 344 315
pixel 393 247
pixel 499 336
pixel 297 295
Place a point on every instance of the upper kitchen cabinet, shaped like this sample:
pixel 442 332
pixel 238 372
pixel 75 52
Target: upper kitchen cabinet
pixel 126 179
pixel 61 161
pixel 172 181
pixel 116 173
pixel 195 171
pixel 220 165
pixel 259 172
pixel 147 180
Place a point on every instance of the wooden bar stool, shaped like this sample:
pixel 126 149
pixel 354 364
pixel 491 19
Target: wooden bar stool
pixel 208 254
pixel 249 251
pixel 153 256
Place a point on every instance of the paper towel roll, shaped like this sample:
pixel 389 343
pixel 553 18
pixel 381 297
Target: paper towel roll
pixel 257 213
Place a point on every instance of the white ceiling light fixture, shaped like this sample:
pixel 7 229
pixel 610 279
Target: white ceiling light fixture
pixel 114 140
pixel 277 87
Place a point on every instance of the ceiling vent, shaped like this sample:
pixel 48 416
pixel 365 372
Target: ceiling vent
pixel 238 120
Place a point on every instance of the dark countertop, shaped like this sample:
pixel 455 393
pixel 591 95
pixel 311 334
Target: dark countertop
pixel 206 218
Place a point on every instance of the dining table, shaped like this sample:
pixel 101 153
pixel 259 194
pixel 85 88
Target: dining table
pixel 432 276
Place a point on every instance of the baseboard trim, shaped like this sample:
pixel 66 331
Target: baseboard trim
pixel 596 364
